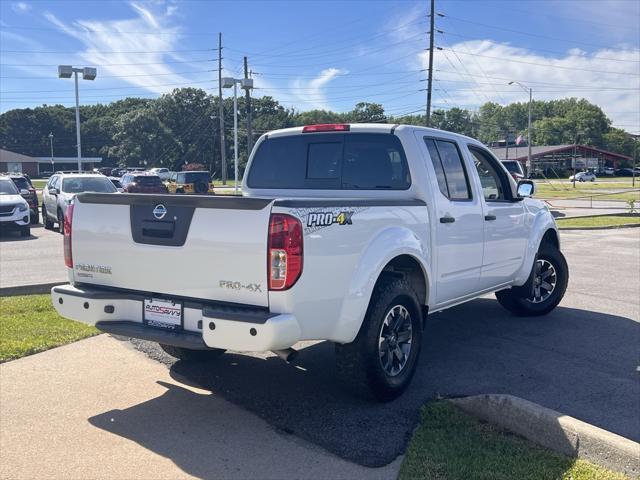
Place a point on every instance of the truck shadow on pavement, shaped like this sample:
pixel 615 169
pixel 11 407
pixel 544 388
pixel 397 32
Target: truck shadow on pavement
pixel 578 362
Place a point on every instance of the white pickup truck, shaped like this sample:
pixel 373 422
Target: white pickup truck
pixel 347 233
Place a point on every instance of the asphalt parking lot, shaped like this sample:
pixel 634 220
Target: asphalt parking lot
pixel 33 260
pixel 92 409
pixel 580 360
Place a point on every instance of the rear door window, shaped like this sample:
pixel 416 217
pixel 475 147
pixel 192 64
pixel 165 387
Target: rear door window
pixel 448 164
pixel 331 162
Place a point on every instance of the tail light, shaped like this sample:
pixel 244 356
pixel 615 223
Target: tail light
pixel 284 256
pixel 68 220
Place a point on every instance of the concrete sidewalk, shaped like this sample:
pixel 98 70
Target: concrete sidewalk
pixel 99 409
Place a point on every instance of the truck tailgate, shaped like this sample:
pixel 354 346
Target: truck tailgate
pixel 204 247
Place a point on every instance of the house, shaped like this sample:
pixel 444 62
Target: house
pixel 559 158
pixel 41 166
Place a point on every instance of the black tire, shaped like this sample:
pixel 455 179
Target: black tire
pixel 60 221
pixel 34 217
pixel 25 232
pixel 192 355
pixel 360 364
pixel 520 302
pixel 48 224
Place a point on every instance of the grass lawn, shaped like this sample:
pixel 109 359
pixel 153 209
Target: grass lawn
pixel 451 445
pixel 599 190
pixel 599 221
pixel 29 324
pixel 40 183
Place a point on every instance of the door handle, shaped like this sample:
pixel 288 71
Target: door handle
pixel 447 219
pixel 488 218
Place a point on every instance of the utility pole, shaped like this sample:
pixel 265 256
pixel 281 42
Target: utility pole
pixel 430 79
pixel 247 102
pixel 223 156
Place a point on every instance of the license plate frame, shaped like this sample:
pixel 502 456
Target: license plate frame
pixel 163 313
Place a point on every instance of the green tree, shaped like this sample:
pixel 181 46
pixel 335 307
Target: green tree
pixel 142 139
pixel 366 112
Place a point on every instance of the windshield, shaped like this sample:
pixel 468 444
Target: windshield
pixel 7 187
pixel 87 184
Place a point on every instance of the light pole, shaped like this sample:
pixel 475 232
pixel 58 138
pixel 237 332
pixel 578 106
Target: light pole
pixel 228 82
pixel 528 125
pixel 88 73
pixel 51 141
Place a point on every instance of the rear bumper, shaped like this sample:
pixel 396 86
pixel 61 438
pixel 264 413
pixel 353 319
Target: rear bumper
pixel 204 325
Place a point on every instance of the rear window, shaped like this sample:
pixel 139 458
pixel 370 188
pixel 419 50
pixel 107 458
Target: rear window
pixel 193 177
pixel 21 183
pixel 147 180
pixel 354 161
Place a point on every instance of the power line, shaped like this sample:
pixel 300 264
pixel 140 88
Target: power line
pixel 511 60
pixel 102 52
pixel 106 64
pixel 41 77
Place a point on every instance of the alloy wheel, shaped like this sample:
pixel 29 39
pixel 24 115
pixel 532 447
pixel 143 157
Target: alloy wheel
pixel 394 342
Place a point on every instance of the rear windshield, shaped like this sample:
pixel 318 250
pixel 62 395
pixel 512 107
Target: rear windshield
pixel 353 161
pixel 148 180
pixel 193 177
pixel 7 187
pixel 22 183
pixel 89 184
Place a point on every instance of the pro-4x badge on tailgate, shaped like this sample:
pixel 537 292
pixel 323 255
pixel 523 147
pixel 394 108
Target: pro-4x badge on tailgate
pixel 324 219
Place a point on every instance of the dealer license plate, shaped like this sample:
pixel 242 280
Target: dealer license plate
pixel 163 313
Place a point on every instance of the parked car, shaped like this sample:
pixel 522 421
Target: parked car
pixel 514 167
pixel 584 177
pixel 14 209
pixel 624 172
pixel 142 183
pixel 190 182
pixel 117 183
pixel 347 233
pixel 608 171
pixel 62 188
pixel 24 185
pixel 163 173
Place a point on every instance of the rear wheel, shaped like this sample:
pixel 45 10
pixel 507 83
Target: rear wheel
pixel 550 279
pixel 382 359
pixel 48 224
pixel 192 355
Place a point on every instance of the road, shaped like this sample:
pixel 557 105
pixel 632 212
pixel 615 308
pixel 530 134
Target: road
pixel 33 260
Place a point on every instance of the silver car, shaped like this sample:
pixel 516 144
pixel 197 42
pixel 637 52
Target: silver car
pixel 61 190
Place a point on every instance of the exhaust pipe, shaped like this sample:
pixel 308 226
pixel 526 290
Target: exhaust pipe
pixel 287 354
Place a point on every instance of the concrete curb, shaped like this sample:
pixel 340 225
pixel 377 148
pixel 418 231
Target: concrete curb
pixel 610 227
pixel 36 289
pixel 556 431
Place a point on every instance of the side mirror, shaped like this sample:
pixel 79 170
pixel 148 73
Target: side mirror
pixel 24 192
pixel 526 188
pixel 53 191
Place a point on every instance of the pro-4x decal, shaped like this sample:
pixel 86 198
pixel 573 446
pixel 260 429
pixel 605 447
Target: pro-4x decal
pixel 324 219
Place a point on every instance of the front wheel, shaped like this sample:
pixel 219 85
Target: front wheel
pixel 382 359
pixel 25 232
pixel 192 355
pixel 550 279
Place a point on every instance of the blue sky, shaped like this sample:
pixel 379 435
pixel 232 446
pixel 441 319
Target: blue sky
pixel 328 54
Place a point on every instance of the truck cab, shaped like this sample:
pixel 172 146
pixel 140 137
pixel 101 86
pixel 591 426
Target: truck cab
pixel 350 233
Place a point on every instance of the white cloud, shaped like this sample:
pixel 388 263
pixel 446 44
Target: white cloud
pixel 608 77
pixel 21 7
pixel 310 94
pixel 114 46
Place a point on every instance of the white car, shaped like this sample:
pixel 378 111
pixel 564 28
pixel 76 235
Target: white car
pixel 14 209
pixel 61 189
pixel 584 177
pixel 346 233
pixel 163 173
